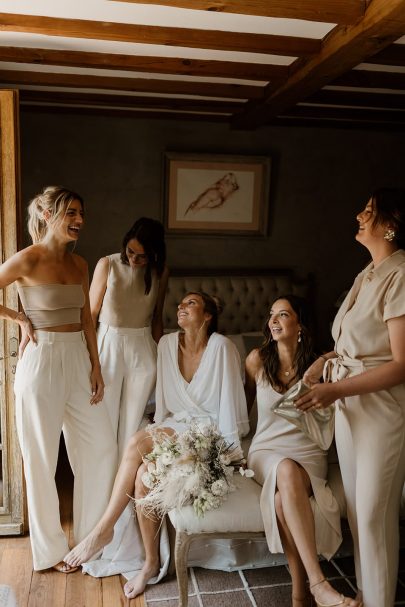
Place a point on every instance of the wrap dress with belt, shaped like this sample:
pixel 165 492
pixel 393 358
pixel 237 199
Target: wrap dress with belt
pixel 370 428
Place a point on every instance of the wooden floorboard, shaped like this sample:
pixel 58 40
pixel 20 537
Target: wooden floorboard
pixel 52 589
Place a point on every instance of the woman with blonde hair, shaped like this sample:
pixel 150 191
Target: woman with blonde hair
pixel 58 384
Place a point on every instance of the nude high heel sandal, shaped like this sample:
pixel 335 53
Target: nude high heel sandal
pixel 318 604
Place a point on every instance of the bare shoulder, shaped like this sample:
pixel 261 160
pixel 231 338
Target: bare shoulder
pixel 254 362
pixel 27 258
pixel 80 263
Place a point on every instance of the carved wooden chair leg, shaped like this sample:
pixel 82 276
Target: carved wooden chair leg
pixel 181 549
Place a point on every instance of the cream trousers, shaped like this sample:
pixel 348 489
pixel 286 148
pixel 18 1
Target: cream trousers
pixel 128 364
pixel 52 389
pixel 370 439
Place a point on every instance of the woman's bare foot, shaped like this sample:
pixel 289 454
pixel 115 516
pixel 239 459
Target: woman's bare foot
pixel 138 583
pixel 326 596
pixel 64 568
pixel 88 548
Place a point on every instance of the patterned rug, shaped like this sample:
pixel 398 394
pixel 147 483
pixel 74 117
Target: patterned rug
pixel 268 587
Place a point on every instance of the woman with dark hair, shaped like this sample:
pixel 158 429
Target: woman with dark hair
pixel 301 516
pixel 126 297
pixel 58 383
pixel 198 379
pixel 368 372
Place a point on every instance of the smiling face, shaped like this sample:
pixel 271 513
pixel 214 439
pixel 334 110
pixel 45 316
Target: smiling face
pixel 136 254
pixel 283 322
pixel 191 312
pixel 69 226
pixel 369 232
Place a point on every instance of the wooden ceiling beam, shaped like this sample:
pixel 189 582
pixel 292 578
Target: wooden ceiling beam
pixel 135 114
pixel 343 49
pixel 130 101
pixel 357 99
pixel 357 115
pixel 167 36
pixel 392 55
pixel 327 11
pixel 145 85
pixel 369 79
pixel 161 65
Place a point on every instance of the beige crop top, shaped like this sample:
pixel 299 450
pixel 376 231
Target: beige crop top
pixel 125 303
pixel 52 305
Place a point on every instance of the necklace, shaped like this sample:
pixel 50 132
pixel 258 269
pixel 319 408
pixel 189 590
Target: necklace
pixel 288 371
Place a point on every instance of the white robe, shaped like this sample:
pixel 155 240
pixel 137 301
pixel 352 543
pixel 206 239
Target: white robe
pixel 215 394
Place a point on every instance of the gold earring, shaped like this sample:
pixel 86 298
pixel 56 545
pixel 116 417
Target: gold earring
pixel 389 234
pixel 299 336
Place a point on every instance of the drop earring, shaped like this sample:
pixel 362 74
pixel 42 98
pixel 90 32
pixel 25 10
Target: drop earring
pixel 299 337
pixel 389 234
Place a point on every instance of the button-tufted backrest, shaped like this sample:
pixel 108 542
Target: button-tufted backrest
pixel 246 298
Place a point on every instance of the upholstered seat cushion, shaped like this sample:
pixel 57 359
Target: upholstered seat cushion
pixel 239 513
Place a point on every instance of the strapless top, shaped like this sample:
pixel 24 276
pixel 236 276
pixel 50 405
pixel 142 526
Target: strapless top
pixel 52 305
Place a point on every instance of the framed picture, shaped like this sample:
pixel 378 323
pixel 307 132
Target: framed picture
pixel 217 194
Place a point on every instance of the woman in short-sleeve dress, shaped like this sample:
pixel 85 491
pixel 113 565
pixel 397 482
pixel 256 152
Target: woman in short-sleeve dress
pixel 368 369
pixel 300 514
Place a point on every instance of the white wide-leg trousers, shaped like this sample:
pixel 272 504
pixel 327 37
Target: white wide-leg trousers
pixel 370 439
pixel 128 364
pixel 52 389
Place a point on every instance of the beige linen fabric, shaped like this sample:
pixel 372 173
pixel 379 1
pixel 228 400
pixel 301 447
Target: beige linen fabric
pixel 370 429
pixel 125 303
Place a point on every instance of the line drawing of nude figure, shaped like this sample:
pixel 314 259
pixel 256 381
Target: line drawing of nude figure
pixel 215 196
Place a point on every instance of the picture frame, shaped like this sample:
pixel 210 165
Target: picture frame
pixel 220 195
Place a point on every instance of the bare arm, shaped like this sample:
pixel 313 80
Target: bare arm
pixel 98 288
pixel 157 320
pixel 253 366
pixel 314 373
pixel 97 384
pixel 384 376
pixel 15 268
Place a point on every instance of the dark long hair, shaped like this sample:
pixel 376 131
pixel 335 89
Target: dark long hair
pixel 389 207
pixel 304 355
pixel 151 235
pixel 211 306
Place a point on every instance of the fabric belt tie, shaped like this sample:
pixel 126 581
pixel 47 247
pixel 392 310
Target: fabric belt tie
pixel 340 367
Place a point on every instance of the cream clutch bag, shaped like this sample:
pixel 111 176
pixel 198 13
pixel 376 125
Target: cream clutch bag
pixel 318 425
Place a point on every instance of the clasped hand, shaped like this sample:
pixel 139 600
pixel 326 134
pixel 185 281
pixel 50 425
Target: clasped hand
pixel 320 395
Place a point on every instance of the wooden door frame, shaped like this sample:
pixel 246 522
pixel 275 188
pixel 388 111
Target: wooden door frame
pixel 13 512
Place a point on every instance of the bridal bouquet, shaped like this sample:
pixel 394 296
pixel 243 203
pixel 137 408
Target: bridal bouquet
pixel 194 467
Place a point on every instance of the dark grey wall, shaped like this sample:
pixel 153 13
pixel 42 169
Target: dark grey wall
pixel 320 179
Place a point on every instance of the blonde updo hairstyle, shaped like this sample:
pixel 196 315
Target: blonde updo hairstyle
pixel 55 200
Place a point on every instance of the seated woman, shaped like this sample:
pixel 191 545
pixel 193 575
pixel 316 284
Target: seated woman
pixel 301 516
pixel 198 379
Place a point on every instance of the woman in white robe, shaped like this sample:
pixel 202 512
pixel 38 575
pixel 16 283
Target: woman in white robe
pixel 300 514
pixel 199 379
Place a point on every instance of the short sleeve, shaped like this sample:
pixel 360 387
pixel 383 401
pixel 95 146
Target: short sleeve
pixel 394 300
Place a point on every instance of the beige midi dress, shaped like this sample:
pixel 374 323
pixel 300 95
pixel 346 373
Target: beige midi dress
pixel 275 440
